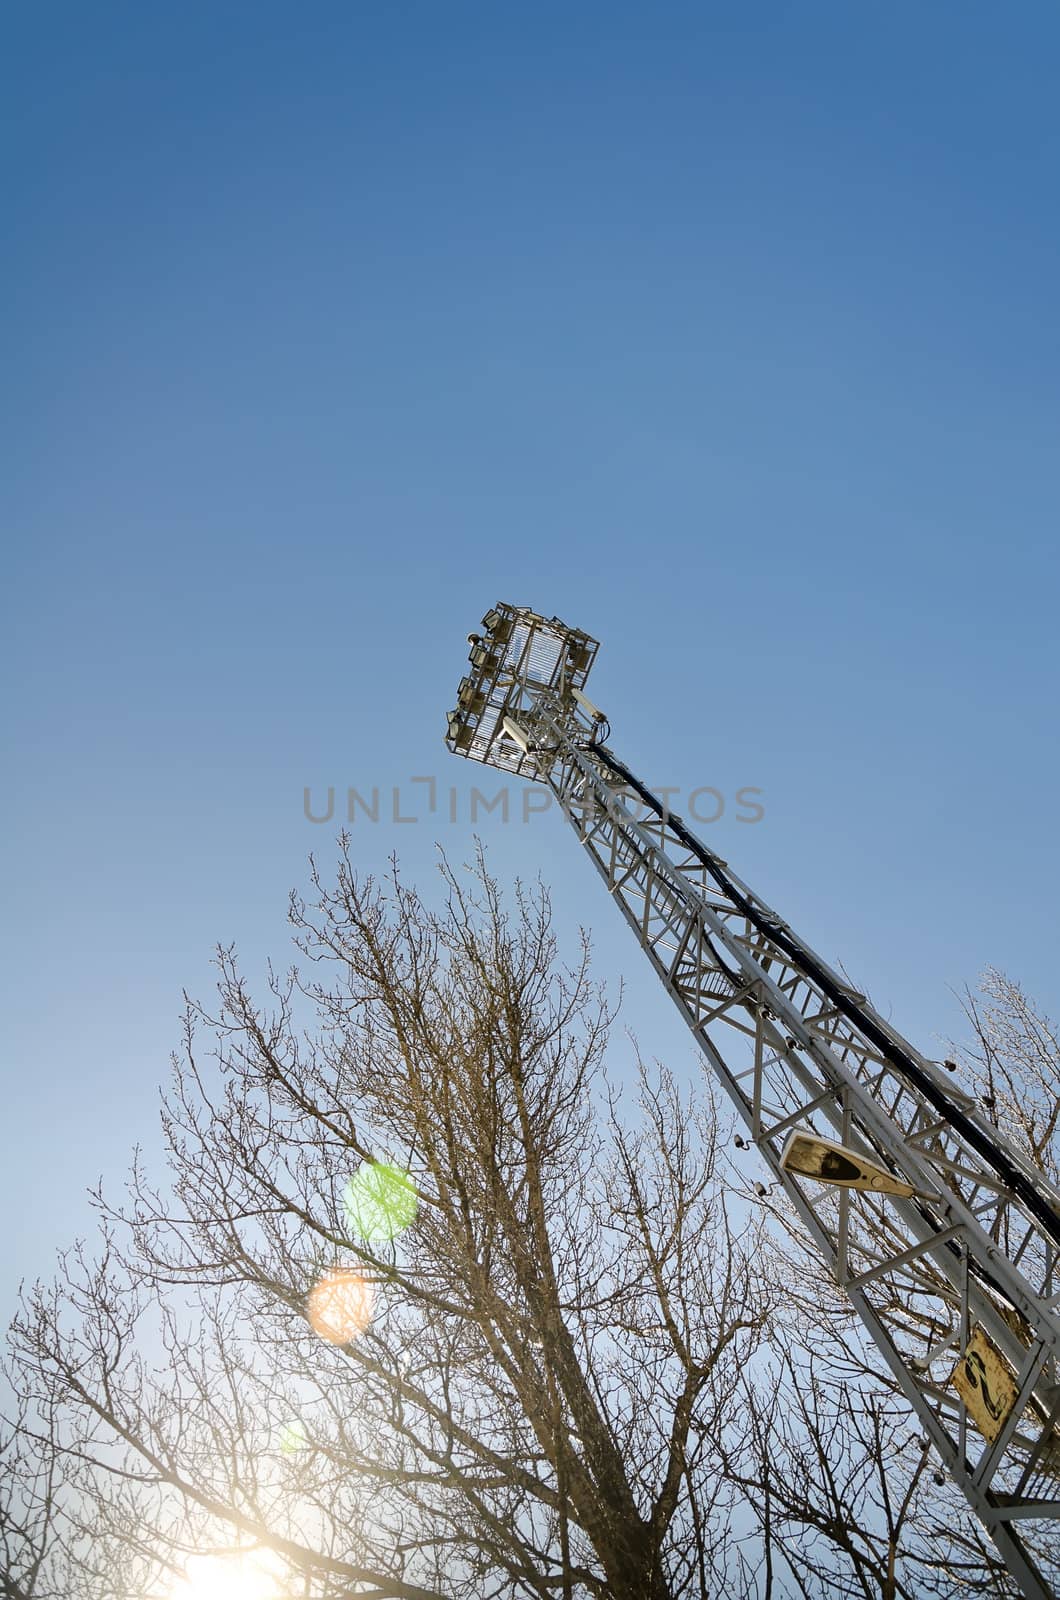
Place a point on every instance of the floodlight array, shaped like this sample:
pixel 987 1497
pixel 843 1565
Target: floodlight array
pixel 518 657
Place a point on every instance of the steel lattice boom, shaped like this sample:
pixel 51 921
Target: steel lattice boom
pixel 951 1253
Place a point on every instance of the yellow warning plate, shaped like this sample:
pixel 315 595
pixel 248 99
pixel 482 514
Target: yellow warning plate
pixel 986 1383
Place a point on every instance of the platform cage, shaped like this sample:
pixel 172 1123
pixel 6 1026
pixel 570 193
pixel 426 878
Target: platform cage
pixel 517 657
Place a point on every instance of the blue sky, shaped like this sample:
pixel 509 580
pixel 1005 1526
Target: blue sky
pixel 728 334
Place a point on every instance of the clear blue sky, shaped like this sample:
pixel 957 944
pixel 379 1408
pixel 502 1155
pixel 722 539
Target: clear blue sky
pixel 728 333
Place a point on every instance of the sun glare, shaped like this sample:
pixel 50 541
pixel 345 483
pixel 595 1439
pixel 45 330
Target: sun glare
pixel 233 1575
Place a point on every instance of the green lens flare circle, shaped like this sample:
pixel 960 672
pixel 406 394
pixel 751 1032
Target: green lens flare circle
pixel 379 1201
pixel 293 1437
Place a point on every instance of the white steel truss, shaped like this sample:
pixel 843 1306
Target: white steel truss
pixel 975 1251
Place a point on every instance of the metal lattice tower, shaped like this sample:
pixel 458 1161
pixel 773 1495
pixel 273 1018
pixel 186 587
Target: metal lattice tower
pixel 948 1242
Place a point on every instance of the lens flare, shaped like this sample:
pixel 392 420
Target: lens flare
pixel 293 1437
pixel 380 1202
pixel 340 1305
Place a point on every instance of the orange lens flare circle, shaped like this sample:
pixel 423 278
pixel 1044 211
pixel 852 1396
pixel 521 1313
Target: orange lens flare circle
pixel 340 1306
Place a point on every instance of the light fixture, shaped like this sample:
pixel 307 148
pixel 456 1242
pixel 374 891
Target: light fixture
pixel 809 1156
pixel 461 736
pixel 500 627
pixel 486 656
pixel 472 700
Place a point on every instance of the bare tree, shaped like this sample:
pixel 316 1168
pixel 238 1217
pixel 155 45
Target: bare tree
pixel 29 1470
pixel 1013 1060
pixel 847 1501
pixel 518 1392
pixel 567 1358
